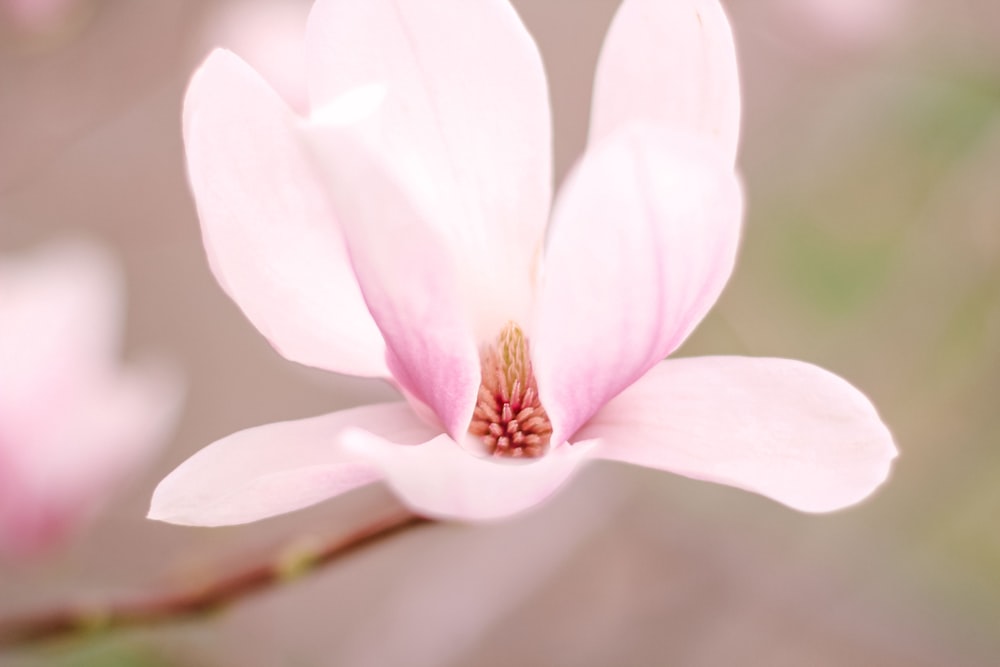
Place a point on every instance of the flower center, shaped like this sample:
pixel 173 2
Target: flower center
pixel 508 417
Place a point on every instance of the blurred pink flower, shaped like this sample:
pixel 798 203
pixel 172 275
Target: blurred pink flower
pixel 39 16
pixel 73 424
pixel 842 23
pixel 524 343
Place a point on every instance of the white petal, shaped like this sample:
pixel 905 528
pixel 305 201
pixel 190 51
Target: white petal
pixel 671 63
pixel 410 281
pixel 272 239
pixel 278 468
pixel 466 125
pixel 643 239
pixel 443 480
pixel 784 429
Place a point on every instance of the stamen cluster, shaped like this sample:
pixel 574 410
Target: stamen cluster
pixel 509 417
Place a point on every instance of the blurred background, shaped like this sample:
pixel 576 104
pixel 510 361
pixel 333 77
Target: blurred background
pixel 871 154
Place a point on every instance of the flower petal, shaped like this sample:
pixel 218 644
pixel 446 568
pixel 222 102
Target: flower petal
pixel 73 423
pixel 61 317
pixel 441 479
pixel 83 450
pixel 70 462
pixel 271 37
pixel 278 468
pixel 669 63
pixel 271 237
pixel 643 240
pixel 466 123
pixel 407 275
pixel 785 429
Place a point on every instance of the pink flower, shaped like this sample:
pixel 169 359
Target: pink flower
pixel 417 245
pixel 73 424
pixel 842 23
pixel 38 16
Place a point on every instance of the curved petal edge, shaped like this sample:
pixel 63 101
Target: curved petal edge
pixel 672 63
pixel 272 239
pixel 643 240
pixel 441 479
pixel 277 468
pixel 784 429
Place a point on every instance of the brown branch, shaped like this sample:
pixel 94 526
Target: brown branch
pixel 176 605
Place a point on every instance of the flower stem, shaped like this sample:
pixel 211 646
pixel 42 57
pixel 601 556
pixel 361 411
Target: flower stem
pixel 176 605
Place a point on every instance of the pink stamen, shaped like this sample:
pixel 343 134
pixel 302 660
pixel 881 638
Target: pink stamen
pixel 508 417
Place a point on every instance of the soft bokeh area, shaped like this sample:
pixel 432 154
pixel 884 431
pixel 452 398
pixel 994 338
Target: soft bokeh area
pixel 871 159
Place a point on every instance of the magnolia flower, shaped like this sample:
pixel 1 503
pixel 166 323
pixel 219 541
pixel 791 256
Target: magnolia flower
pixel 416 244
pixel 842 23
pixel 73 424
pixel 40 16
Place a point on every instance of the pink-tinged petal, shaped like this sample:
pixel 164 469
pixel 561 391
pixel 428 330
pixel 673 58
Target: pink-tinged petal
pixel 271 236
pixel 785 429
pixel 643 240
pixel 443 480
pixel 30 523
pixel 409 279
pixel 74 424
pixel 466 122
pixel 38 15
pixel 63 469
pixel 61 312
pixel 278 468
pixel 671 63
pixel 271 37
pixel 28 526
pixel 117 428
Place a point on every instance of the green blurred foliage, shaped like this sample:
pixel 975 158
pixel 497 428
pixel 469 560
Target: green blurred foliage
pixel 873 248
pixel 111 653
